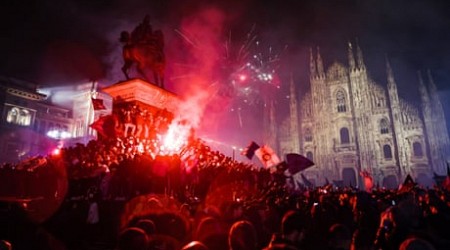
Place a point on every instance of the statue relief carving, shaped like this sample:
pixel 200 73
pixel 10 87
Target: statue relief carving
pixel 144 48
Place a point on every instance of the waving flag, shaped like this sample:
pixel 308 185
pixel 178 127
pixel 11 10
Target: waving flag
pixel 98 104
pixel 267 156
pixel 249 151
pixel 105 126
pixel 298 163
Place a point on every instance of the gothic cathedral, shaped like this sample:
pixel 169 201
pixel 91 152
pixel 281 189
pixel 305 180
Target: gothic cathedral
pixel 348 123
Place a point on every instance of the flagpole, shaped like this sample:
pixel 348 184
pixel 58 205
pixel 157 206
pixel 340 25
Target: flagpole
pixel 234 149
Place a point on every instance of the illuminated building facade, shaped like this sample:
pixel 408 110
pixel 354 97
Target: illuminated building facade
pixel 30 125
pixel 348 123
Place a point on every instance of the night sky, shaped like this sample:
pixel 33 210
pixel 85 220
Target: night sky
pixel 64 42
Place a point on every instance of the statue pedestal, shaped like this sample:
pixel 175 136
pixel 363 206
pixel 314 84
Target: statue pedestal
pixel 143 94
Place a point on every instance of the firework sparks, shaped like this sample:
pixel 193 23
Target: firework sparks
pixel 244 70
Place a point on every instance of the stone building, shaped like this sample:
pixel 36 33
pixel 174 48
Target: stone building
pixel 35 121
pixel 348 123
pixel 30 125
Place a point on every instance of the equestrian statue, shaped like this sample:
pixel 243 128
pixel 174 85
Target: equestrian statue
pixel 144 48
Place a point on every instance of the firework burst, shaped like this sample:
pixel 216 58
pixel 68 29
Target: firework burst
pixel 245 70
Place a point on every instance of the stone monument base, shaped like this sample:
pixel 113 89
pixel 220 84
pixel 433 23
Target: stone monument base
pixel 143 94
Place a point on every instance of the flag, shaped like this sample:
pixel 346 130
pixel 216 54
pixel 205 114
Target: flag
pixel 98 104
pixel 267 156
pixel 306 181
pixel 98 125
pixel 297 163
pixel 407 185
pixel 368 181
pixel 105 126
pixel 249 151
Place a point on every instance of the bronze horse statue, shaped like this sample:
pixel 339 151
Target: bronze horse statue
pixel 146 54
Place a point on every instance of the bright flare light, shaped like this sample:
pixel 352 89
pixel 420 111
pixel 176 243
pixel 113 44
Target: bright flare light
pixel 56 151
pixel 176 137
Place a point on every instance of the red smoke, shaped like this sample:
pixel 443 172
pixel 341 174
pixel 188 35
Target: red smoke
pixel 199 55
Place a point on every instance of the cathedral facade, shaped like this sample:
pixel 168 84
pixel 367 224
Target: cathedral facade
pixel 347 123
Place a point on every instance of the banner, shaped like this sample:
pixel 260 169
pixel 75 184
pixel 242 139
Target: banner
pixel 267 156
pixel 249 151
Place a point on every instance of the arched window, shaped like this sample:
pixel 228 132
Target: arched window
pixel 345 138
pixel 25 118
pixel 387 152
pixel 417 148
pixel 384 126
pixel 340 100
pixel 13 115
pixel 308 134
pixel 309 155
pixel 19 116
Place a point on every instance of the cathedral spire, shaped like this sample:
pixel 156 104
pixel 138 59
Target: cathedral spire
pixel 440 128
pixel 433 88
pixel 319 63
pixel 434 95
pixel 292 88
pixel 392 85
pixel 312 64
pixel 390 75
pixel 423 90
pixel 294 120
pixel 351 58
pixel 359 57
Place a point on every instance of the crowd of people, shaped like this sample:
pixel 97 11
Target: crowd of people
pixel 122 194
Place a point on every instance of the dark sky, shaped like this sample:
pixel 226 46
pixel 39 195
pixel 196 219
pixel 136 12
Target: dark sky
pixel 54 42
pixel 415 34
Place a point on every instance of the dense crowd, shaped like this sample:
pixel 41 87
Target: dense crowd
pixel 122 194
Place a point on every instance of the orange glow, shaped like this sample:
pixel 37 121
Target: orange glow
pixel 175 138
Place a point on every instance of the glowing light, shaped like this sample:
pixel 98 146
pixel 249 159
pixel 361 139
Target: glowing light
pixel 244 63
pixel 140 148
pixel 175 138
pixel 57 134
pixel 56 151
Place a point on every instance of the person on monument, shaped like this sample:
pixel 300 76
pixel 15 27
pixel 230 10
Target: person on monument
pixel 140 121
pixel 128 121
pixel 147 121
